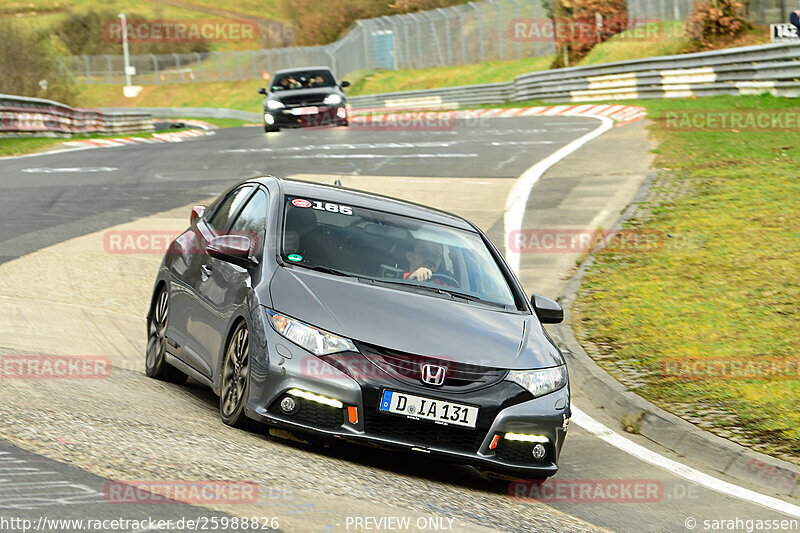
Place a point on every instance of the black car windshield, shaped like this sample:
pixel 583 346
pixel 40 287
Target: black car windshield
pixel 303 79
pixel 409 253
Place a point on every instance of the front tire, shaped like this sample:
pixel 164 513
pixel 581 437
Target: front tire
pixel 235 378
pixel 270 129
pixel 155 364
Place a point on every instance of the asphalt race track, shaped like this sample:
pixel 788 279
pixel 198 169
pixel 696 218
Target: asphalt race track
pixel 61 442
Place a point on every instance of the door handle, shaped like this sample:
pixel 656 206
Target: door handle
pixel 206 270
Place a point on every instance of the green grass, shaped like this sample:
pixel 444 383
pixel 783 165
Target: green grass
pixel 242 95
pixel 430 78
pixel 658 39
pixel 725 285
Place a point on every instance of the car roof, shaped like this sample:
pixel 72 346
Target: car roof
pixel 299 69
pixel 367 200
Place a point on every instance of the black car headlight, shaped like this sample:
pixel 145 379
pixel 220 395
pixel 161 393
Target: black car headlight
pixel 316 341
pixel 540 382
pixel 275 105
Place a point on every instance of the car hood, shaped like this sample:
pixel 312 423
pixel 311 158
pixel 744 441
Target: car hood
pixel 412 322
pixel 301 95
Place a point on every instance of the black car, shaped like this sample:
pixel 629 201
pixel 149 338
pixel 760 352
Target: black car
pixel 304 98
pixel 328 310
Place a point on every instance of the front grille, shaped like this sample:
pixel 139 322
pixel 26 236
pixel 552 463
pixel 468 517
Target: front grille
pixel 307 100
pixel 312 413
pixel 518 452
pixel 407 368
pixel 423 433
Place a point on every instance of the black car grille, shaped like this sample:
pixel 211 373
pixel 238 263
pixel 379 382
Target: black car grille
pixel 312 413
pixel 518 452
pixel 422 432
pixel 291 101
pixel 407 368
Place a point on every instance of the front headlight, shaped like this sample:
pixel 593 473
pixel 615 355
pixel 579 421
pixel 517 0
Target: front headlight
pixel 332 99
pixel 540 382
pixel 314 340
pixel 275 104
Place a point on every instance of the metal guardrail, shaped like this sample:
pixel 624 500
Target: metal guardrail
pixel 36 116
pixel 773 68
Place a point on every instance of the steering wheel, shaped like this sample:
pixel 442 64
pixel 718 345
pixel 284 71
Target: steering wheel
pixel 448 280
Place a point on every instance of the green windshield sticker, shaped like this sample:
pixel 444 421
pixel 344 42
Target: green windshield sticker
pixel 294 257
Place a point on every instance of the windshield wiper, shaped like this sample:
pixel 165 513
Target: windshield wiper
pixel 444 291
pixel 325 269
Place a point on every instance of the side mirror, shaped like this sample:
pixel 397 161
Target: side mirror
pixel 197 212
pixel 344 84
pixel 232 249
pixel 548 311
pixel 262 91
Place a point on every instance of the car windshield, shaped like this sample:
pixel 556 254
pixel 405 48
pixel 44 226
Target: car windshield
pixel 406 252
pixel 303 79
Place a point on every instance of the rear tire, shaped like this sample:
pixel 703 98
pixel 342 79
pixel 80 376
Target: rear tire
pixel 235 379
pixel 156 365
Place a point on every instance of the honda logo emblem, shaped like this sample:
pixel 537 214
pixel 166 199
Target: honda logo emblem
pixel 433 374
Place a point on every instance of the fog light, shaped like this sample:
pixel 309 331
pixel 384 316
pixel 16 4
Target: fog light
pixel 288 404
pixel 341 112
pixel 538 452
pixel 310 396
pixel 269 119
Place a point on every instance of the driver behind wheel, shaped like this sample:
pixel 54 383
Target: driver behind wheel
pixel 424 261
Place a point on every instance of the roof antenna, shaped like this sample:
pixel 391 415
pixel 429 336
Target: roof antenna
pixel 338 182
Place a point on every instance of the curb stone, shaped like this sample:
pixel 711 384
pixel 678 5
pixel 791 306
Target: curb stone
pixel 654 423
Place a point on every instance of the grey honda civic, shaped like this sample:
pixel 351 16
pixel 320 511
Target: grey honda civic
pixel 321 309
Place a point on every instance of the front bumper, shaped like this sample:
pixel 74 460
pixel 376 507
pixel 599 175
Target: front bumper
pixel 325 116
pixel 505 407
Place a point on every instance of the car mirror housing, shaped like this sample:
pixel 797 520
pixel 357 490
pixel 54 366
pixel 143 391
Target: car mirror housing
pixel 232 249
pixel 344 84
pixel 197 212
pixel 548 311
pixel 262 91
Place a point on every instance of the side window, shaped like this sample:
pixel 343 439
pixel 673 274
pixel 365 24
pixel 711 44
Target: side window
pixel 252 221
pixel 228 207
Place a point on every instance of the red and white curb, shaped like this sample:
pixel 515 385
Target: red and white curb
pixel 620 114
pixel 170 137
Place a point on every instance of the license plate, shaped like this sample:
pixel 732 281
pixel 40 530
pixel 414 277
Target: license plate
pixel 429 409
pixel 305 110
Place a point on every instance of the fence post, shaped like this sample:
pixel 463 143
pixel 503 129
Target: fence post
pixel 219 66
pixel 110 73
pixel 499 29
pixel 448 36
pixel 480 30
pixel 199 61
pixel 516 19
pixel 156 78
pixel 463 36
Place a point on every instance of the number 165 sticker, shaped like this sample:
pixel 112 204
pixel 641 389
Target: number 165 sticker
pixel 323 206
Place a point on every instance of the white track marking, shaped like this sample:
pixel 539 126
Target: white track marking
pixel 618 441
pixel 516 202
pixel 517 198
